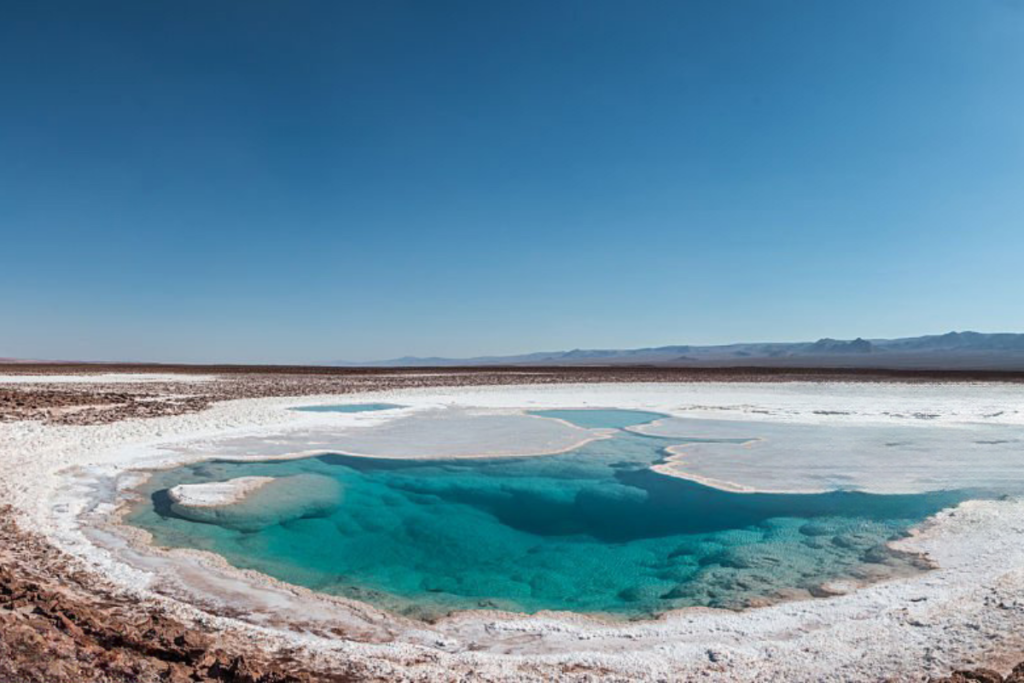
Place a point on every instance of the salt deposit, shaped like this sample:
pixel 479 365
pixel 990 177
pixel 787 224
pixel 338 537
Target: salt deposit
pixel 60 479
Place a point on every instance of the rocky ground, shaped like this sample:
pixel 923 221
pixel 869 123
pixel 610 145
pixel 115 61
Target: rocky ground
pixel 97 403
pixel 60 625
pixel 984 676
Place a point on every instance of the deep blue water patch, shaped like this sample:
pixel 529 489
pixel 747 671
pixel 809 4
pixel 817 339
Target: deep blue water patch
pixel 348 408
pixel 591 530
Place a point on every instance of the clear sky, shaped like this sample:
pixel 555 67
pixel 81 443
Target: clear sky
pixel 305 181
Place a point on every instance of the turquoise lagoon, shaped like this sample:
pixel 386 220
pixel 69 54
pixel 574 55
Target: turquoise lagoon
pixel 591 530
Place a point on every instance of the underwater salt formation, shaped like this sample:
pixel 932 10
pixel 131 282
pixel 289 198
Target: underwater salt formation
pixel 254 503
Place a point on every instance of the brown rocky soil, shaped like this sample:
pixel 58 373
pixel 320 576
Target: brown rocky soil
pixel 102 403
pixel 984 676
pixel 61 625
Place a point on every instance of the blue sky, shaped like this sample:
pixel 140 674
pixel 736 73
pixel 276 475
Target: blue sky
pixel 307 181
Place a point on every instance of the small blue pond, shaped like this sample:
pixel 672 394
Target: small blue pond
pixel 591 530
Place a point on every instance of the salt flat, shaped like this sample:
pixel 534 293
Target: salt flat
pixel 895 456
pixel 61 480
pixel 103 378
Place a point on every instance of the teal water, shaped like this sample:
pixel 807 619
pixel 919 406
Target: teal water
pixel 348 408
pixel 591 530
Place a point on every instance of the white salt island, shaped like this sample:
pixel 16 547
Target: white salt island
pixel 218 493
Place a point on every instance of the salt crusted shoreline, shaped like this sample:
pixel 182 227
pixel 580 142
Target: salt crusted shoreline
pixel 965 612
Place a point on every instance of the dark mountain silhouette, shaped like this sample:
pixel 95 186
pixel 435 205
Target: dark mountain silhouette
pixel 858 345
pixel 953 350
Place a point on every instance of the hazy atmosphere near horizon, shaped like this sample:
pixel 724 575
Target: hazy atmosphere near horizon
pixel 309 181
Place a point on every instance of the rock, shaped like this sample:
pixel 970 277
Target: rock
pixel 178 673
pixel 972 676
pixel 854 540
pixel 980 675
pixel 1017 675
pixel 52 632
pixel 831 589
pixel 70 626
pixel 877 554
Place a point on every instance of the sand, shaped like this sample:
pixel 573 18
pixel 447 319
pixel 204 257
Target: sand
pixel 61 480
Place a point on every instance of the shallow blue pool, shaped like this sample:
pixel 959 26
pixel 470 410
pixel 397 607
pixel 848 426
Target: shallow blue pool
pixel 591 530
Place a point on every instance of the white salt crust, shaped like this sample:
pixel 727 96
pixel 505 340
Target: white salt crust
pixel 62 479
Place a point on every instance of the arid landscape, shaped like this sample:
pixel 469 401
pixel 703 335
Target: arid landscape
pixel 58 609
pixel 512 342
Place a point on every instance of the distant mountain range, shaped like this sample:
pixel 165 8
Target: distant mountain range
pixel 954 350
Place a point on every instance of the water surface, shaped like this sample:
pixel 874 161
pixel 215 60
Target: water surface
pixel 591 530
